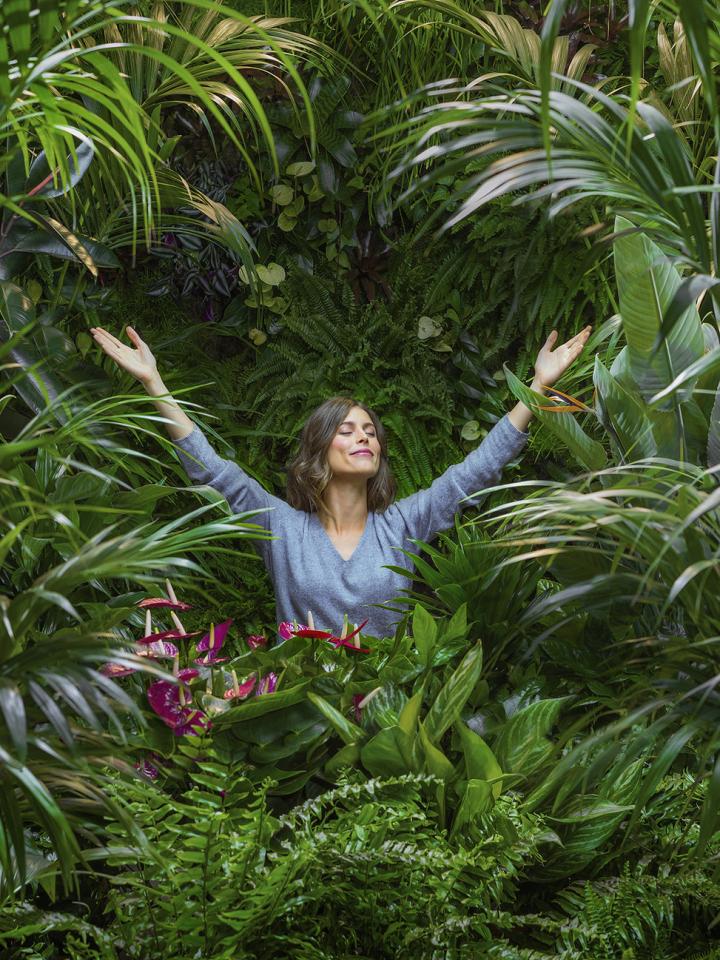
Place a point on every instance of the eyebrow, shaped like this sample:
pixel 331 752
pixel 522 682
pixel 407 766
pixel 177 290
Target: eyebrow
pixel 351 423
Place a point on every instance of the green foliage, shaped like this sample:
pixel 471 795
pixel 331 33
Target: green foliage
pixel 77 547
pixel 503 777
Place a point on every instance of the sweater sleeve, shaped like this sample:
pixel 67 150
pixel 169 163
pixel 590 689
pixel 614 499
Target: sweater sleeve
pixel 203 465
pixel 431 510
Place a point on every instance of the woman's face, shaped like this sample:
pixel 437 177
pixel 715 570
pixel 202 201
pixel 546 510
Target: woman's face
pixel 355 449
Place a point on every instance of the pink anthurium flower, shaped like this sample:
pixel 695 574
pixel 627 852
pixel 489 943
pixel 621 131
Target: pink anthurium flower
pixel 287 629
pixel 256 640
pixel 170 702
pixel 157 649
pixel 238 691
pixel 116 670
pixel 156 603
pixel 167 635
pixel 267 684
pixel 160 648
pixel 147 769
pixel 331 638
pixel 212 642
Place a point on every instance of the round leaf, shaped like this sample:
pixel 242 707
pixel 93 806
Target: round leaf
pixel 273 274
pixel 471 430
pixel 282 194
pixel 286 223
pixel 427 327
pixel 300 169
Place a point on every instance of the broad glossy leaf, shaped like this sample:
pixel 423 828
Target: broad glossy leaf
pixel 40 241
pixel 480 761
pixel 348 756
pixel 260 706
pixel 436 762
pixel 522 745
pixel 478 798
pixel 40 178
pixel 388 753
pixel 424 631
pixel 348 731
pixel 410 713
pixel 624 415
pixel 647 284
pixel 454 695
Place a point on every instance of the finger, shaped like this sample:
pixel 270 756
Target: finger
pixel 111 346
pixel 579 337
pixel 135 336
pixel 550 340
pixel 110 337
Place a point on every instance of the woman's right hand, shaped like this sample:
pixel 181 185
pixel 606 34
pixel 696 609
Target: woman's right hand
pixel 137 360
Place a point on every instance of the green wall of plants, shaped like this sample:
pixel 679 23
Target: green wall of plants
pixel 396 201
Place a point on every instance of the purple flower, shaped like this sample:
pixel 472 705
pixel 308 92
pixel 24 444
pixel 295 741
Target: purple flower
pixel 242 690
pixel 212 642
pixel 159 648
pixel 256 640
pixel 170 702
pixel 267 684
pixel 287 629
pixel 152 638
pixel 147 769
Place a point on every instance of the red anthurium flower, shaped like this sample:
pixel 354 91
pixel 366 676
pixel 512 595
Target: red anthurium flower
pixel 256 640
pixel 167 635
pixel 240 690
pixel 211 643
pixel 155 603
pixel 267 684
pixel 116 670
pixel 331 638
pixel 169 702
pixel 287 629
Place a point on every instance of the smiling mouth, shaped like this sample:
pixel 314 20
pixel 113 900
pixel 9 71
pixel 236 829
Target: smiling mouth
pixel 362 453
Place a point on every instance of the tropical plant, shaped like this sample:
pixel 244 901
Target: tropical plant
pixel 76 547
pixel 183 53
pixel 584 141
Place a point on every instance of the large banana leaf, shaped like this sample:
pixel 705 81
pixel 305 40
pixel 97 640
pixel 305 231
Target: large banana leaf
pixel 647 283
pixel 623 415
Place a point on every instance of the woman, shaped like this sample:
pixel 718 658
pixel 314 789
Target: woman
pixel 340 526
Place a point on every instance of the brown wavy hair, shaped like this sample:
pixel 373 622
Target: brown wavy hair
pixel 308 474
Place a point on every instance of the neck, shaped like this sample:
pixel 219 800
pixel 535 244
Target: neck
pixel 345 505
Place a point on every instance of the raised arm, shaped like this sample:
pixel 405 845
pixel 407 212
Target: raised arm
pixel 139 361
pixel 202 464
pixel 429 511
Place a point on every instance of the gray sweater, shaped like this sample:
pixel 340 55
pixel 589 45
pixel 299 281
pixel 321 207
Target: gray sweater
pixel 307 571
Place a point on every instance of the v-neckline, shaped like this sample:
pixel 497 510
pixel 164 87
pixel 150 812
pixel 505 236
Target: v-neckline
pixel 329 539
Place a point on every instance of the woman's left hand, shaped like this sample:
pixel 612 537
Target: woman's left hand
pixel 552 364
